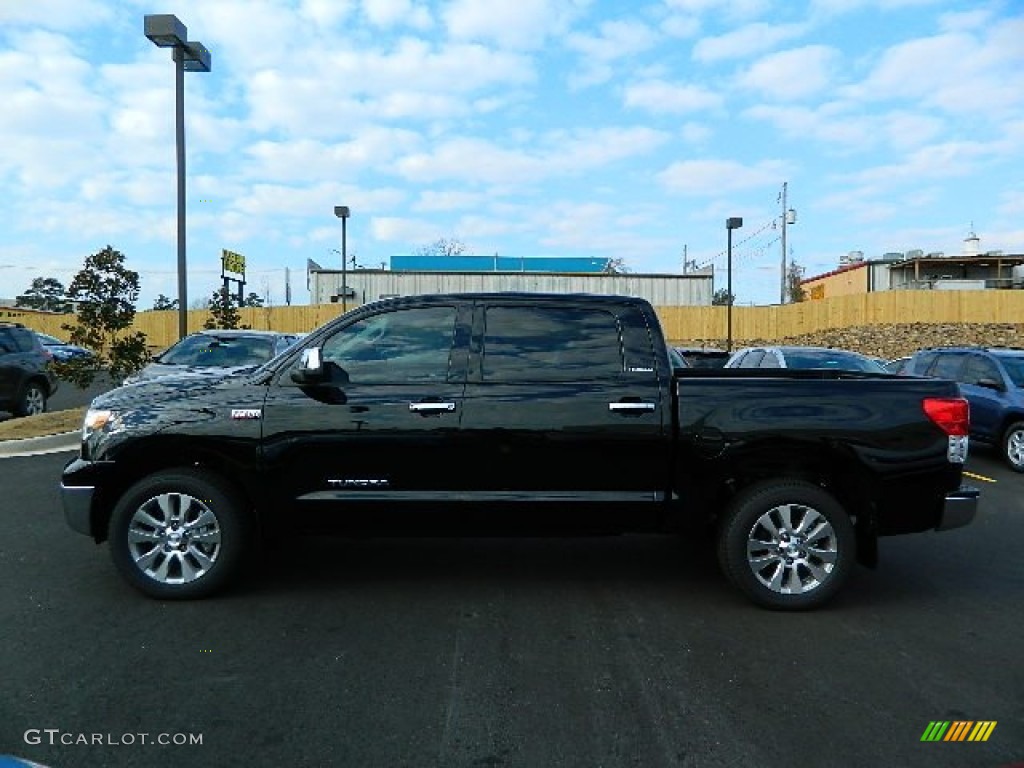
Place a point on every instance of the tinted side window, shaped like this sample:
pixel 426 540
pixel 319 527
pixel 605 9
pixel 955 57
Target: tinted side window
pixel 412 344
pixel 978 368
pixel 752 359
pixel 550 344
pixel 25 339
pixel 7 344
pixel 948 366
pixel 922 362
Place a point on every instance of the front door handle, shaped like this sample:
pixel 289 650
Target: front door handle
pixel 631 407
pixel 428 409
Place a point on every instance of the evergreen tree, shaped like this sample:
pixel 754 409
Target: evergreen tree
pixel 106 292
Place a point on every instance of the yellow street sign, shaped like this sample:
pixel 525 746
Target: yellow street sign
pixel 232 262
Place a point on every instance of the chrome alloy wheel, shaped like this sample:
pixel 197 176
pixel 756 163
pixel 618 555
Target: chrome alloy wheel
pixel 35 401
pixel 792 549
pixel 174 538
pixel 1015 448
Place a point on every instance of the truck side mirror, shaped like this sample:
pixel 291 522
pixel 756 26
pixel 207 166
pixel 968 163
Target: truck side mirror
pixel 311 369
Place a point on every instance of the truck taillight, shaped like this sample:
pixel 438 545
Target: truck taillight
pixel 952 414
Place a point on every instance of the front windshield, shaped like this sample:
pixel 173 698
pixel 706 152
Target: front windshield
pixel 209 351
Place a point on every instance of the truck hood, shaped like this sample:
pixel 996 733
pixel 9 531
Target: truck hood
pixel 172 389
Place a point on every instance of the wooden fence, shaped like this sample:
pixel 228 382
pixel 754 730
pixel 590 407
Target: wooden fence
pixel 681 323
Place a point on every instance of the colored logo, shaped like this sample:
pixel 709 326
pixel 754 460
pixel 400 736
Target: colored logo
pixel 958 730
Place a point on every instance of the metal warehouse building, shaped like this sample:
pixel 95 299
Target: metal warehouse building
pixel 411 275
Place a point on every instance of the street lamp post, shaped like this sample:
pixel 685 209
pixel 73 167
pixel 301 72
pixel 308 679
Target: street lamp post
pixel 341 211
pixel 730 224
pixel 166 31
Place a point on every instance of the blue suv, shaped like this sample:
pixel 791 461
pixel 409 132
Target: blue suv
pixel 992 380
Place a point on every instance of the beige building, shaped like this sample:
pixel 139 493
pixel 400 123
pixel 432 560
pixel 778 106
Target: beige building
pixel 916 270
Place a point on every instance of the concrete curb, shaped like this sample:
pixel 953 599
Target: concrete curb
pixel 35 446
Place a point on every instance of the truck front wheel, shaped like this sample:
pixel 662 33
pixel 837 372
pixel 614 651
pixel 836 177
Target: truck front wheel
pixel 786 545
pixel 178 534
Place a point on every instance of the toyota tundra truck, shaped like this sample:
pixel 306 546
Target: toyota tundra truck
pixel 517 414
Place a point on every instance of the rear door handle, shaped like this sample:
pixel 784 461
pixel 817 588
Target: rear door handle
pixel 631 407
pixel 431 408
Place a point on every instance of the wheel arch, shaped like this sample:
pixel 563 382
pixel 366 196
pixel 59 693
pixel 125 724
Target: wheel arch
pixel 151 456
pixel 833 467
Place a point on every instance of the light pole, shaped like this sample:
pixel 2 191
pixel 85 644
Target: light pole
pixel 732 223
pixel 341 211
pixel 166 31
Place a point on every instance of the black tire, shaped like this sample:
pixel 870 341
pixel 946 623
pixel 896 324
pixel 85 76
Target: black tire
pixel 199 546
pixel 32 401
pixel 786 573
pixel 1013 446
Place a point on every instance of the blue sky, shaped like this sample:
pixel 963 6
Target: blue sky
pixel 628 129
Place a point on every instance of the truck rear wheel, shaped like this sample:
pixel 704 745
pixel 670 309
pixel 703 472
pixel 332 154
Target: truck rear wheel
pixel 786 544
pixel 178 534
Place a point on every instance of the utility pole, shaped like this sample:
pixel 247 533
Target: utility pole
pixel 684 259
pixel 785 215
pixel 788 217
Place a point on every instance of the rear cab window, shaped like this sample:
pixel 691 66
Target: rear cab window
pixel 524 343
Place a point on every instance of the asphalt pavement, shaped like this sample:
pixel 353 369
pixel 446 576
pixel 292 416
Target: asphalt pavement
pixel 620 651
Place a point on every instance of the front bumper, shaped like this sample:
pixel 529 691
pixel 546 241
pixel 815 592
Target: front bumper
pixel 78 489
pixel 77 503
pixel 959 509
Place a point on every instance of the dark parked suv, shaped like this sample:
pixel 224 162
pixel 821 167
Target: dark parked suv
pixel 992 380
pixel 26 379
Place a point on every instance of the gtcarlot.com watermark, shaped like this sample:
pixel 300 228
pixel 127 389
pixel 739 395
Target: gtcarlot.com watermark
pixel 55 736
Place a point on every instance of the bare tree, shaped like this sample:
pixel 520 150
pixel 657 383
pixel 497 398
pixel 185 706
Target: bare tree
pixel 616 267
pixel 794 274
pixel 443 247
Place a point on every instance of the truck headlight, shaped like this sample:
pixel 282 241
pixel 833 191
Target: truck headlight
pixel 101 421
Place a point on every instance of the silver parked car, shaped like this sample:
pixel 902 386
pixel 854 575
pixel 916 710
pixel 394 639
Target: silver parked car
pixel 803 358
pixel 216 352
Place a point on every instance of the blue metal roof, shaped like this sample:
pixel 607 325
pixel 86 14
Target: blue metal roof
pixel 434 263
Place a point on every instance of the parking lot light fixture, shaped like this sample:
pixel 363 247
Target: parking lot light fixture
pixel 734 222
pixel 342 212
pixel 165 30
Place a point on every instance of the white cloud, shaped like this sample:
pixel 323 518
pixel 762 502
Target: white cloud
pixel 664 97
pixel 308 159
pixel 54 14
pixel 525 24
pixel 680 26
pixel 326 13
pixel 958 73
pixel 718 177
pixel 1011 203
pixel 614 40
pixel 479 161
pixel 390 13
pixel 405 230
pixel 332 92
pixel 733 9
pixel 845 128
pixel 793 74
pixel 837 7
pixel 446 200
pixel 942 160
pixel 696 133
pixel 746 41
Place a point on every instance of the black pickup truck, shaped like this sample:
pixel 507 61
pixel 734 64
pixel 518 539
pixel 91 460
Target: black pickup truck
pixel 515 413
